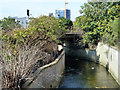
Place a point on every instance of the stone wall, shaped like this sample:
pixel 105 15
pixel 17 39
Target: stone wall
pixel 48 76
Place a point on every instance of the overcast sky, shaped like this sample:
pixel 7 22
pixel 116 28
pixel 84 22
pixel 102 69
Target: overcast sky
pixel 38 7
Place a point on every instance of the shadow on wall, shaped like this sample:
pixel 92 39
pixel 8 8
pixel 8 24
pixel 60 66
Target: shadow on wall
pixel 82 54
pixel 92 55
pixel 107 66
pixel 74 50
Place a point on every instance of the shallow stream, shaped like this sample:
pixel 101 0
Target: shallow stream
pixel 80 73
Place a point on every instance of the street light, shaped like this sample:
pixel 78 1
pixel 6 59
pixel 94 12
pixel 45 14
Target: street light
pixel 28 14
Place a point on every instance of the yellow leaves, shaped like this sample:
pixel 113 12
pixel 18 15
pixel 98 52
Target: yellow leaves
pixel 101 33
pixel 95 30
pixel 15 35
pixel 39 29
pixel 20 33
pixel 85 41
pixel 108 12
pixel 90 33
pixel 59 26
pixel 111 20
pixel 117 6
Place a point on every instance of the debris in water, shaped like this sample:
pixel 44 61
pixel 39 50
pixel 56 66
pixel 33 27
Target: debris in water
pixel 80 73
pixel 76 59
pixel 97 87
pixel 64 45
pixel 93 68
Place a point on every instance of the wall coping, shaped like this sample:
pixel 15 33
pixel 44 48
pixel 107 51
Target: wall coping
pixel 39 70
pixel 113 47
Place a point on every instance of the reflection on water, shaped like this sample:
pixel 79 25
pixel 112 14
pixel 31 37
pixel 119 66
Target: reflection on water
pixel 80 73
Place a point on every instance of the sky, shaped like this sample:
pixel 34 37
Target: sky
pixel 38 7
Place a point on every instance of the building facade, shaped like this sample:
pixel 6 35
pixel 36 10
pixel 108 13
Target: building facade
pixel 61 13
pixel 23 21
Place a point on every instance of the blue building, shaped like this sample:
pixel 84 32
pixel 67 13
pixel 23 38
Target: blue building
pixel 61 13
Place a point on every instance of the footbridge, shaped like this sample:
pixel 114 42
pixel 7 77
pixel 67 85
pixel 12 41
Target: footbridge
pixel 73 35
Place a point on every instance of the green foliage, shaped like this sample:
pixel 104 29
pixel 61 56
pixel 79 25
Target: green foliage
pixel 9 24
pixel 97 19
pixel 111 37
pixel 41 28
pixel 28 49
pixel 44 27
pixel 66 23
pixel 49 27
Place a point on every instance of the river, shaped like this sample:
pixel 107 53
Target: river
pixel 80 73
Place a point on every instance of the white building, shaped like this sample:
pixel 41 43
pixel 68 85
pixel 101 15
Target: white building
pixel 23 21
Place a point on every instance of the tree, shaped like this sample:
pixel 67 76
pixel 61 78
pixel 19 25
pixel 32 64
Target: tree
pixel 96 19
pixel 49 27
pixel 66 23
pixel 9 24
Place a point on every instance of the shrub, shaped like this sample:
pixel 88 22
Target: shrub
pixel 20 63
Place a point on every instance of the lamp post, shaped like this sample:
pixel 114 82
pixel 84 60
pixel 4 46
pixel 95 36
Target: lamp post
pixel 28 14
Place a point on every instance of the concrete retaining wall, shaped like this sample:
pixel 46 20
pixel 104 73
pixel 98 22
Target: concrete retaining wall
pixel 109 57
pixel 48 76
pixel 88 55
pixel 0 78
pixel 105 55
